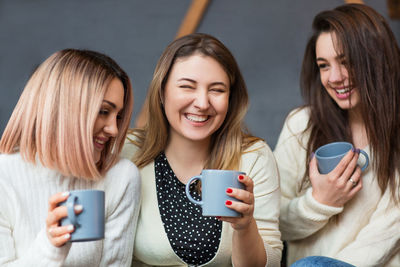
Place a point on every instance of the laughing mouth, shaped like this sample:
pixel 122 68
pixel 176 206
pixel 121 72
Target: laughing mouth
pixel 343 91
pixel 197 118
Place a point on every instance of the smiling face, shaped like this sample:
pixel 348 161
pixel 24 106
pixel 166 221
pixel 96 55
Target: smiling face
pixel 333 72
pixel 196 98
pixel 106 124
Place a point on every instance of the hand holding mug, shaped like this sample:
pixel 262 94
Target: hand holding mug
pixel 245 206
pixel 334 173
pixel 59 235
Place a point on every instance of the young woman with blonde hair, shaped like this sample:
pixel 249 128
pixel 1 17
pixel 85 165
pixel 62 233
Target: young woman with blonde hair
pixel 66 133
pixel 197 101
pixel 350 81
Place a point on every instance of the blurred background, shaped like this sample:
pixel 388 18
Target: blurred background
pixel 267 38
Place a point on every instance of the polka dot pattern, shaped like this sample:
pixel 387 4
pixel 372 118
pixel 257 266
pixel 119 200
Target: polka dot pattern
pixel 194 238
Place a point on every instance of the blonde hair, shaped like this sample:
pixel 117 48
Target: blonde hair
pixel 55 115
pixel 230 140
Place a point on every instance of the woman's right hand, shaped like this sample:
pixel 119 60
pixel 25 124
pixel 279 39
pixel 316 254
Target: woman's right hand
pixel 57 234
pixel 338 186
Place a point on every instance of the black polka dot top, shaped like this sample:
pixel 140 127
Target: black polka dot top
pixel 193 237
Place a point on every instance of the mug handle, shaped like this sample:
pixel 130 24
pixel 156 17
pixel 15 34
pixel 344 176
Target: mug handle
pixel 188 193
pixel 70 207
pixel 366 159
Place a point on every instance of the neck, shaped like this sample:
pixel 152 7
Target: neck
pixel 357 126
pixel 186 158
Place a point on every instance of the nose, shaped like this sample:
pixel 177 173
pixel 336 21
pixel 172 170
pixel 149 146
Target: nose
pixel 336 74
pixel 202 100
pixel 111 128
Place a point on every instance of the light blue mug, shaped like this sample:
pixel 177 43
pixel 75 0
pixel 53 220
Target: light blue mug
pixel 329 156
pixel 89 224
pixel 213 191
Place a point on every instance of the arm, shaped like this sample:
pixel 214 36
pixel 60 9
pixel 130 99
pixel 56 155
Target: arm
pixel 300 214
pixel 379 240
pixel 260 242
pixel 123 197
pixel 39 252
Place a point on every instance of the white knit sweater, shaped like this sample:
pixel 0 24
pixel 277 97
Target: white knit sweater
pixel 24 192
pixel 367 230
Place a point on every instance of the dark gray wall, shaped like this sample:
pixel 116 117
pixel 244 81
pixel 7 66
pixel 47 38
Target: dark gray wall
pixel 266 37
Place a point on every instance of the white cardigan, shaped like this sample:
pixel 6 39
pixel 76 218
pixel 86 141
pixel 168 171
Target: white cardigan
pixel 24 192
pixel 152 247
pixel 367 232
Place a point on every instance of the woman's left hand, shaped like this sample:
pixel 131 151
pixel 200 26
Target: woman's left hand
pixel 246 207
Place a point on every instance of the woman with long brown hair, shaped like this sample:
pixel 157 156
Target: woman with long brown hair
pixel 197 101
pixel 66 133
pixel 350 82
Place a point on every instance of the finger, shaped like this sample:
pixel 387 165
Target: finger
pixel 354 179
pixel 60 231
pixel 55 199
pixel 60 212
pixel 240 207
pixel 240 194
pixel 356 188
pixel 313 167
pixel 55 215
pixel 344 162
pixel 247 181
pixel 351 167
pixel 61 240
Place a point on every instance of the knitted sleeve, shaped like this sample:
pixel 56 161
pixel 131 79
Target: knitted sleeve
pixel 38 252
pixel 259 164
pixel 300 215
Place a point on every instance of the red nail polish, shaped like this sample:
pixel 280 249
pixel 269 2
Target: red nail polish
pixel 228 202
pixel 241 177
pixel 229 190
pixel 218 217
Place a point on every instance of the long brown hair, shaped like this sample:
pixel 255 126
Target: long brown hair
pixel 373 62
pixel 55 115
pixel 230 140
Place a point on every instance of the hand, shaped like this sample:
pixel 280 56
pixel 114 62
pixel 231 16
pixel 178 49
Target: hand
pixel 246 207
pixel 338 186
pixel 59 235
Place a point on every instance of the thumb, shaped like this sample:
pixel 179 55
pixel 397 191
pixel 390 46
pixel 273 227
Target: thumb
pixel 313 167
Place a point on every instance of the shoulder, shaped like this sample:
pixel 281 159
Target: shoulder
pixel 259 163
pixel 124 173
pixel 297 120
pixel 130 148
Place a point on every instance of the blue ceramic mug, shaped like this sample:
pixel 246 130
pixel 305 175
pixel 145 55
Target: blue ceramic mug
pixel 213 191
pixel 89 224
pixel 329 156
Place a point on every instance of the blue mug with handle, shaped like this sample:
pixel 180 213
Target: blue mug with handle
pixel 213 191
pixel 89 224
pixel 329 156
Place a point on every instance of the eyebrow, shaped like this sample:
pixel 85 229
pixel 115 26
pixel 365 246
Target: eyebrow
pixel 193 81
pixel 341 56
pixel 110 103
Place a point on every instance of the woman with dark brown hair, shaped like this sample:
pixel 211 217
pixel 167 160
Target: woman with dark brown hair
pixel 350 82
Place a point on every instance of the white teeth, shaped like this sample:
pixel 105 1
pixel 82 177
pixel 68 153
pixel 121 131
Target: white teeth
pixel 197 118
pixel 342 91
pixel 100 142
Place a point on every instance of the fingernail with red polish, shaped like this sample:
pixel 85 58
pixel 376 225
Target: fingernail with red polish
pixel 229 190
pixel 228 202
pixel 218 217
pixel 241 177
